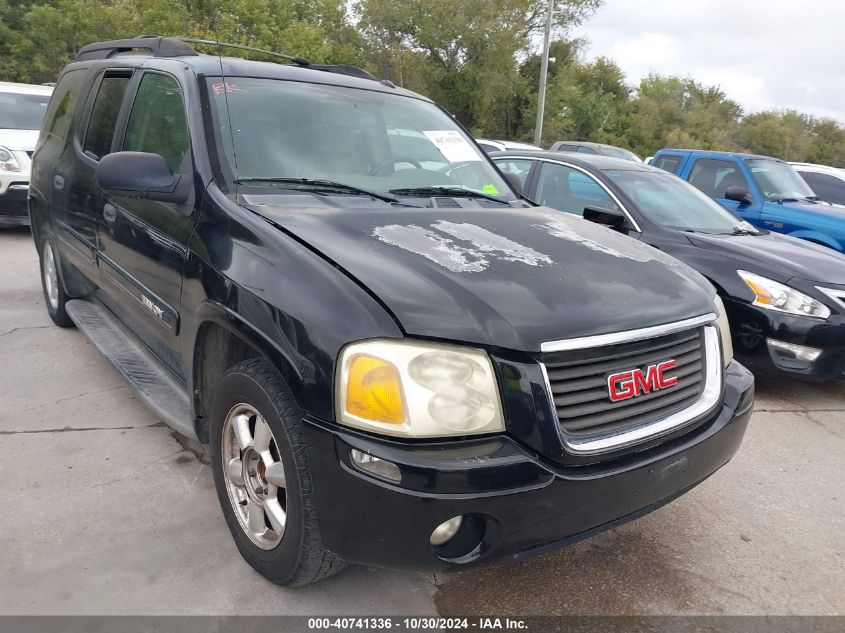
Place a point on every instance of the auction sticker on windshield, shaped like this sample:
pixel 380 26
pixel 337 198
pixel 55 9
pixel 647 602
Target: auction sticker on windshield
pixel 453 146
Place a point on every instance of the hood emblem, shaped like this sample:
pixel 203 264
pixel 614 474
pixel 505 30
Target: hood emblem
pixel 635 382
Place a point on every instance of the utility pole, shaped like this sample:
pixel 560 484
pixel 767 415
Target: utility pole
pixel 544 71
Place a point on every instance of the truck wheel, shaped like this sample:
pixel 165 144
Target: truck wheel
pixel 260 464
pixel 54 295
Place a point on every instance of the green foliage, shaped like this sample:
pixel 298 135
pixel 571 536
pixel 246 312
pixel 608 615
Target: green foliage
pixel 477 58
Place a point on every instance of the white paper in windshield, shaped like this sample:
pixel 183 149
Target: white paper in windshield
pixel 453 146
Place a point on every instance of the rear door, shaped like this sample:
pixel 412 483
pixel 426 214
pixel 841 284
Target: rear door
pixel 143 243
pixel 714 176
pixel 75 192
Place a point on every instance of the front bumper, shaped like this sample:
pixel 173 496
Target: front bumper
pixel 13 205
pixel 753 326
pixel 515 504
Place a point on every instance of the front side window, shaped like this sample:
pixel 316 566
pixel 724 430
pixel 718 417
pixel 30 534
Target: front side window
pixel 673 203
pixel 618 152
pixel 779 181
pixel 567 189
pixel 22 111
pixel 287 134
pixel 825 186
pixel 583 149
pixel 98 137
pixel 519 167
pixel 157 121
pixel 714 177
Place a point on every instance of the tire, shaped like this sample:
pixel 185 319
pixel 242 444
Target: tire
pixel 243 459
pixel 51 284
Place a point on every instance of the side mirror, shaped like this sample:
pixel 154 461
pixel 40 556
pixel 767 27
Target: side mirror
pixel 607 217
pixel 141 175
pixel 513 181
pixel 738 194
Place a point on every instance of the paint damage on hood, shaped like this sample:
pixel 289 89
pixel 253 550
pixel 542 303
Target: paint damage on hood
pixel 473 254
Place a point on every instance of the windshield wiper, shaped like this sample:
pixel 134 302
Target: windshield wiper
pixel 447 191
pixel 324 185
pixel 783 199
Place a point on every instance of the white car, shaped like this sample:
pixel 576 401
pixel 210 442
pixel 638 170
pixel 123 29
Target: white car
pixel 828 183
pixel 22 108
pixel 505 146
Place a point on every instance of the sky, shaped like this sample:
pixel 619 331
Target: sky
pixel 764 54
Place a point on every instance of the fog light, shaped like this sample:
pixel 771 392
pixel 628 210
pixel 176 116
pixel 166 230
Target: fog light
pixel 446 530
pixel 375 466
pixel 798 352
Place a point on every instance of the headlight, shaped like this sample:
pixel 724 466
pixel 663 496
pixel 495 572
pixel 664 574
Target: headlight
pixel 8 162
pixel 724 332
pixel 772 295
pixel 415 389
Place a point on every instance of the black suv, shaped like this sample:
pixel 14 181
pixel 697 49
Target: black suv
pixel 394 359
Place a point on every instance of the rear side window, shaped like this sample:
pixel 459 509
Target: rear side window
pixel 59 112
pixel 667 163
pixel 516 166
pixel 98 137
pixel 714 177
pixel 157 122
pixel 570 190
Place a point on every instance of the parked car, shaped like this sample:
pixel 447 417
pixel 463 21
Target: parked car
pixel 785 298
pixel 828 183
pixel 582 147
pixel 764 191
pixel 500 146
pixel 22 108
pixel 393 365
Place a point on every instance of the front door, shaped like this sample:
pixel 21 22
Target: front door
pixel 714 177
pixel 143 243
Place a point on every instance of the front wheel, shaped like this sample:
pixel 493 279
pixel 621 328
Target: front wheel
pixel 54 295
pixel 262 476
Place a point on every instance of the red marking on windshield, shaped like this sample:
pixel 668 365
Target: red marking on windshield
pixel 220 88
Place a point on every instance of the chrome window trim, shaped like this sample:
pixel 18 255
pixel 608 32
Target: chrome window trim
pixel 587 173
pixel 600 340
pixel 710 396
pixel 837 295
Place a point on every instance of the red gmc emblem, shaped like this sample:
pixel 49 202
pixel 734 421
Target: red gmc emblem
pixel 635 382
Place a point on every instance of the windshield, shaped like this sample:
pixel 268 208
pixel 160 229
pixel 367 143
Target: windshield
pixel 285 134
pixel 21 111
pixel 618 152
pixel 669 201
pixel 779 181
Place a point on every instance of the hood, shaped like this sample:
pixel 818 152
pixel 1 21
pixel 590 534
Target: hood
pixel 18 140
pixel 498 277
pixel 777 256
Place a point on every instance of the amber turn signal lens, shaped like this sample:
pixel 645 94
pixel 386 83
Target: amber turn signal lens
pixel 374 391
pixel 763 295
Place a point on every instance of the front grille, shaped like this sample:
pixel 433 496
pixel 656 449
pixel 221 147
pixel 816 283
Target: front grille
pixel 578 380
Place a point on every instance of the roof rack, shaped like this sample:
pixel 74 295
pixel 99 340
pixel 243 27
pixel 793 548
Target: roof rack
pixel 179 47
pixel 158 46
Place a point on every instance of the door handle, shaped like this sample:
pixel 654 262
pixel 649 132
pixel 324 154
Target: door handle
pixel 109 212
pixel 59 182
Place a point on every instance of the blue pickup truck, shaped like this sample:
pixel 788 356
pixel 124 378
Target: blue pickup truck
pixel 764 191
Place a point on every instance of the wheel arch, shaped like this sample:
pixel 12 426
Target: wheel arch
pixel 818 238
pixel 224 339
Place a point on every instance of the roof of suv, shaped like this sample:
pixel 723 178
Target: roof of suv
pixel 822 169
pixel 126 53
pixel 25 89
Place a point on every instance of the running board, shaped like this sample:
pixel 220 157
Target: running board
pixel 157 387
